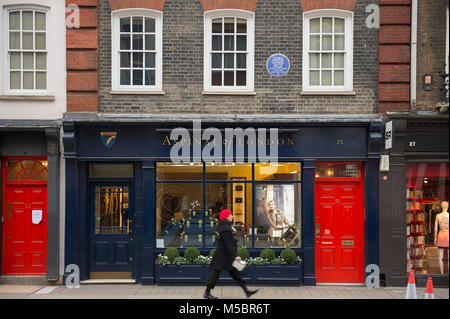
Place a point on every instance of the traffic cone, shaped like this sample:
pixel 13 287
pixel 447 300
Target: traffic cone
pixel 411 290
pixel 429 294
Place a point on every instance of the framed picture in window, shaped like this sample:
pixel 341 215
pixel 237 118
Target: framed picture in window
pixel 238 197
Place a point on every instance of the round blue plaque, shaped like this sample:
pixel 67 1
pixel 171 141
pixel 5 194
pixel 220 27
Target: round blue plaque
pixel 278 64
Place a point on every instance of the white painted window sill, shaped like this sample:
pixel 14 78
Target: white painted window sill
pixel 124 92
pixel 227 93
pixel 27 97
pixel 328 93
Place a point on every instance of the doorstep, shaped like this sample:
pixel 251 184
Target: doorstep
pixel 107 281
pixel 26 280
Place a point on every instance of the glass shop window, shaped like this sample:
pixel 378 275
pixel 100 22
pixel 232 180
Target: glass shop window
pixel 111 171
pixel 179 171
pixel 111 210
pixel 277 215
pixel 427 193
pixel 188 205
pixel 179 215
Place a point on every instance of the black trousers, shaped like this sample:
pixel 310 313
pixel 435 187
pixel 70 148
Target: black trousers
pixel 214 277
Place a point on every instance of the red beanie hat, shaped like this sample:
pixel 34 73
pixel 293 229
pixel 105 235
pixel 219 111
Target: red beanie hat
pixel 225 213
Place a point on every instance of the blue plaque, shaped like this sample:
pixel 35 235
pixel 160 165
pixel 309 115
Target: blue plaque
pixel 278 64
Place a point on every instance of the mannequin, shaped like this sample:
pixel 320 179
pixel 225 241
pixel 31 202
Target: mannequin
pixel 441 238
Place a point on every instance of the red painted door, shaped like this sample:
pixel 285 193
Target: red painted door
pixel 25 240
pixel 339 233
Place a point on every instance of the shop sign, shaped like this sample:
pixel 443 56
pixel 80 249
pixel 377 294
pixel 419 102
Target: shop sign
pixel 108 138
pixel 278 64
pixel 388 136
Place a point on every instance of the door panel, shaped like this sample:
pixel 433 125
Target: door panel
pixel 111 231
pixel 340 241
pixel 24 242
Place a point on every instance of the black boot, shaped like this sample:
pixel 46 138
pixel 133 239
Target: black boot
pixel 207 294
pixel 249 292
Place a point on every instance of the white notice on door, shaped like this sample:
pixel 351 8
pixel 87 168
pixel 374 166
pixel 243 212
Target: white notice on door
pixel 36 216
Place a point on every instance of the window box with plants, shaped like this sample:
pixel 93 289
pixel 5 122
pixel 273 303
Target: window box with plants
pixel 269 269
pixel 193 268
pixel 189 269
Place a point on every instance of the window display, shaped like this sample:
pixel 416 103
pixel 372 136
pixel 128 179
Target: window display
pixel 276 221
pixel 190 197
pixel 427 217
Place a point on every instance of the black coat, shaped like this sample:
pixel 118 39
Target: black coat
pixel 226 250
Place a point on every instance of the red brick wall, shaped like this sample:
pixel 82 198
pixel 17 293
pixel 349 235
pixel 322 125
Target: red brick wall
pixel 82 59
pixel 145 4
pixel 308 5
pixel 394 55
pixel 249 5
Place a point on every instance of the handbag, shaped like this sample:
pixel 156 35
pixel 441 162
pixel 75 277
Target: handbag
pixel 239 265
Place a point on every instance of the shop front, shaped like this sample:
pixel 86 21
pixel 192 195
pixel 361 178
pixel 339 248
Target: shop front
pixel 129 196
pixel 415 208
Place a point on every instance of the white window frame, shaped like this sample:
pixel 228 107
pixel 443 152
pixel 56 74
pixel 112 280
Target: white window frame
pixel 228 13
pixel 115 47
pixel 348 59
pixel 6 78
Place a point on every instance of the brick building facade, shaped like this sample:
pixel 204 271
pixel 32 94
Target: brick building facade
pixel 278 28
pixel 327 108
pixel 412 45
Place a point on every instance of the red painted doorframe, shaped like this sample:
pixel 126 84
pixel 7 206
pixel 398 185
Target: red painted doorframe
pixel 336 259
pixel 25 184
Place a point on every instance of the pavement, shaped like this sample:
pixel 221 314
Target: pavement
pixel 136 291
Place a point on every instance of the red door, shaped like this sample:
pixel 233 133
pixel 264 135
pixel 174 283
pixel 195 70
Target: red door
pixel 339 233
pixel 25 219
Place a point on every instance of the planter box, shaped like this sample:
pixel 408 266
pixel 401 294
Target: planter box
pixel 196 274
pixel 278 274
pixel 182 274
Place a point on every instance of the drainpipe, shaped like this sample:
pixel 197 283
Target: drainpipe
pixel 413 84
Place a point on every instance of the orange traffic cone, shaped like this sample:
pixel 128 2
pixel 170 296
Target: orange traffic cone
pixel 429 294
pixel 411 290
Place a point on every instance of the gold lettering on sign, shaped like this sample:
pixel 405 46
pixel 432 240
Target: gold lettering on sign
pixel 166 141
pixel 281 141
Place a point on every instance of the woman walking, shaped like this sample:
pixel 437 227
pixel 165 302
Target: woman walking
pixel 224 256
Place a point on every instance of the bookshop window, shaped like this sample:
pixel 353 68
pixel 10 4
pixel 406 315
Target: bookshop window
pixel 427 232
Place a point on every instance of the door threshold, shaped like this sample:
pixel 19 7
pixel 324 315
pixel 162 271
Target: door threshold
pixel 340 284
pixel 107 281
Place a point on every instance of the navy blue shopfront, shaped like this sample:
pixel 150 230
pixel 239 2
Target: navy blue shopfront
pixel 132 248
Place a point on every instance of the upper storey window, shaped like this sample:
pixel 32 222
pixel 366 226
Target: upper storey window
pixel 137 50
pixel 328 51
pixel 26 46
pixel 229 53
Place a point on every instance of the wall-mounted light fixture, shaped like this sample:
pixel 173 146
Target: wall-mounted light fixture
pixel 428 82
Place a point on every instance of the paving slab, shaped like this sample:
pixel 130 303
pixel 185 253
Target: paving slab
pixel 136 291
pixel 18 289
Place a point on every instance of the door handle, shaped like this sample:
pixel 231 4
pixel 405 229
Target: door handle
pixel 317 230
pixel 128 226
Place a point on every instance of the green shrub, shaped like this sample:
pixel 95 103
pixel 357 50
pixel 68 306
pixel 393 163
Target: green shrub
pixel 268 254
pixel 191 253
pixel 211 253
pixel 289 256
pixel 171 253
pixel 243 253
